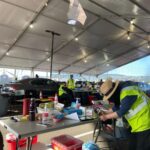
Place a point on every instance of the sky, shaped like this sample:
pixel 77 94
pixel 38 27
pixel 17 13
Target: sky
pixel 139 67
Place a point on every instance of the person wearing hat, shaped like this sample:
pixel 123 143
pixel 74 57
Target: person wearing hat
pixel 134 105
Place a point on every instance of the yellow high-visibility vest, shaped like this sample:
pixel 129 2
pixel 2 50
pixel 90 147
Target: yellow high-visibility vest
pixel 70 84
pixel 61 91
pixel 139 114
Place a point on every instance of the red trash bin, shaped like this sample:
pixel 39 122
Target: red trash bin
pixel 11 140
pixel 66 142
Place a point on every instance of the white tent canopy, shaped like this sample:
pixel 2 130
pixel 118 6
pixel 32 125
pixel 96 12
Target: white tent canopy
pixel 102 43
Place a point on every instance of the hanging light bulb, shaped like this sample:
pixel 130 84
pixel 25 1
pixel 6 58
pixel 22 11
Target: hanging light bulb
pixel 46 4
pixel 148 45
pixel 132 21
pixel 76 39
pixel 7 53
pixel 31 25
pixel 48 59
pixel 85 60
pixel 128 35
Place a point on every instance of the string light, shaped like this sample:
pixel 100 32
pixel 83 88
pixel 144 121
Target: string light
pixel 128 35
pixel 46 4
pixel 7 53
pixel 76 39
pixel 85 60
pixel 48 59
pixel 132 21
pixel 31 25
pixel 148 45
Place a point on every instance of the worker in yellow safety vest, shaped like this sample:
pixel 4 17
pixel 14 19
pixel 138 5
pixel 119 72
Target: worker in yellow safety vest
pixel 71 83
pixel 132 103
pixel 64 95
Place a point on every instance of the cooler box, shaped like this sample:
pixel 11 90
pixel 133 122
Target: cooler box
pixel 66 142
pixel 11 140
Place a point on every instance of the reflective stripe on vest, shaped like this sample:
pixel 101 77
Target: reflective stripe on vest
pixel 132 112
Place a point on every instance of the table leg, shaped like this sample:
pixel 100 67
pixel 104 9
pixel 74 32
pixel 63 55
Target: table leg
pixel 28 143
pixel 31 142
pixel 114 126
pixel 17 144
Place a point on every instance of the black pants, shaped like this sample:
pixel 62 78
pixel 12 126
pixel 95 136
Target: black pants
pixel 140 141
pixel 1 141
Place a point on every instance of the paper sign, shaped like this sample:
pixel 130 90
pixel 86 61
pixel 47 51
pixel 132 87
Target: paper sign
pixel 73 116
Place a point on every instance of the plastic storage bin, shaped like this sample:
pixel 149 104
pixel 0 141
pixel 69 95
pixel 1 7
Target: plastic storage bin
pixel 66 142
pixel 11 141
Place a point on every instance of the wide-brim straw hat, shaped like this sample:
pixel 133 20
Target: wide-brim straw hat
pixel 108 88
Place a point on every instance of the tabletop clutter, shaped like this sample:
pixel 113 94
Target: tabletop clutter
pixel 55 112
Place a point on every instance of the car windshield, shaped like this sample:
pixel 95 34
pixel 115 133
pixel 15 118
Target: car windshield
pixel 41 82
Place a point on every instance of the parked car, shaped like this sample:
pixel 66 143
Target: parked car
pixel 31 87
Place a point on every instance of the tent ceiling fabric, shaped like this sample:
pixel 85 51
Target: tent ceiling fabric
pixel 102 42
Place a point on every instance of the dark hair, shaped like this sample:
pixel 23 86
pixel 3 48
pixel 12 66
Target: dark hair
pixel 36 76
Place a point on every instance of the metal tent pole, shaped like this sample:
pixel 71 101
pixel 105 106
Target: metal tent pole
pixel 52 50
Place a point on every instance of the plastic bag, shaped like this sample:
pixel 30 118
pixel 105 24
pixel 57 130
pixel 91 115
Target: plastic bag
pixel 90 146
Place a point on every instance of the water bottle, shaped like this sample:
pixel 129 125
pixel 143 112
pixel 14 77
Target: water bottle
pixel 46 107
pixel 32 110
pixel 45 115
pixel 55 100
pixel 40 95
pixel 78 103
